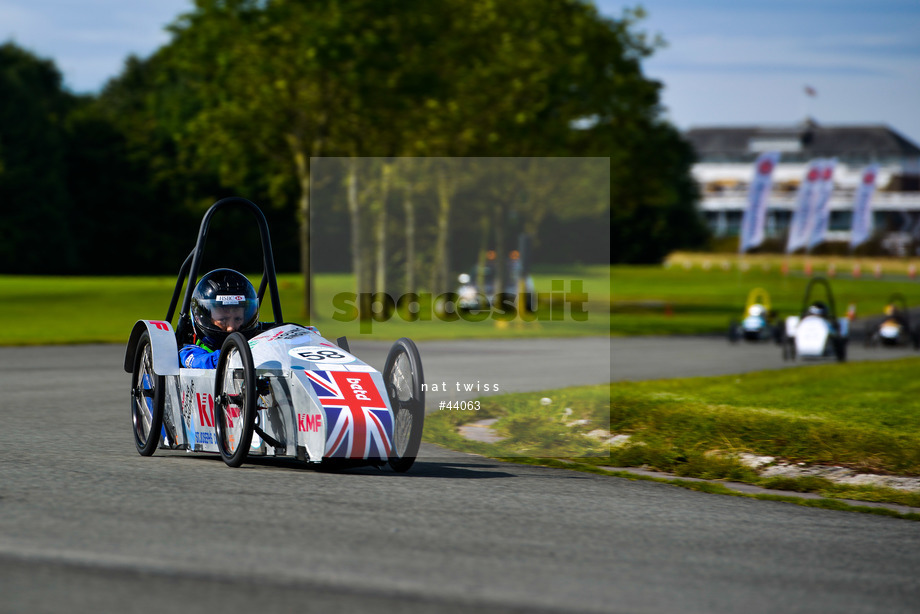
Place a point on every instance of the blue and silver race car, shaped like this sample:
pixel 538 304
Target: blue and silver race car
pixel 281 390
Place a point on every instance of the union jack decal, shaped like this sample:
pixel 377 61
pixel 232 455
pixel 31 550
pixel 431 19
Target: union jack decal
pixel 359 423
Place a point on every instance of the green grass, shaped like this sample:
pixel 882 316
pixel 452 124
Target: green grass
pixel 622 300
pixel 696 427
pixel 531 428
pixel 65 310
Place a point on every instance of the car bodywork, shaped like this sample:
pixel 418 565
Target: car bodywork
pixel 817 332
pixel 283 390
pixel 894 329
pixel 758 321
pixel 353 419
pixel 479 289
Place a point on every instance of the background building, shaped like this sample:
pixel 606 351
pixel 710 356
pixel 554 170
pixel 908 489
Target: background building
pixel 725 168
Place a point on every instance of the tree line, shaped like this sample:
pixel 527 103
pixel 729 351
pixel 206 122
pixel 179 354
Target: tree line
pixel 248 92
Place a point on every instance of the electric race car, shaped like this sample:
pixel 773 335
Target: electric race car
pixel 817 332
pixel 519 285
pixel 280 391
pixel 759 321
pixel 894 329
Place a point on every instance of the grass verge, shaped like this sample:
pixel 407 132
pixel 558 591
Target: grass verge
pixel 42 310
pixel 622 300
pixel 700 427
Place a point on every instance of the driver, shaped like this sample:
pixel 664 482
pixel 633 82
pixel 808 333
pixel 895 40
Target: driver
pixel 893 313
pixel 818 309
pixel 223 302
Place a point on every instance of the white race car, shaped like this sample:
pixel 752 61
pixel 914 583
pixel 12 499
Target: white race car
pixel 285 391
pixel 817 332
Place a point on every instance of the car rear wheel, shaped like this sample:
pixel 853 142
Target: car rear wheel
pixel 147 390
pixel 734 332
pixel 235 397
pixel 869 339
pixel 777 333
pixel 840 349
pixel 788 348
pixel 403 378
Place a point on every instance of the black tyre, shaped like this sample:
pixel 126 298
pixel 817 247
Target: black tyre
pixel 734 332
pixel 403 378
pixel 147 399
pixel 788 348
pixel 235 397
pixel 777 333
pixel 840 349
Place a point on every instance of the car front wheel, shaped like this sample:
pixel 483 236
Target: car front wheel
pixel 403 378
pixel 235 397
pixel 147 390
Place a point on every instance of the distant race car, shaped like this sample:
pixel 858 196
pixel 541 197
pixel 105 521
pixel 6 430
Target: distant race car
pixel 894 329
pixel 759 320
pixel 817 332
pixel 478 291
pixel 280 391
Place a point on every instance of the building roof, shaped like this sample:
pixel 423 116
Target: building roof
pixel 803 141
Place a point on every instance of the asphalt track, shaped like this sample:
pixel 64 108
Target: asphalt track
pixel 87 525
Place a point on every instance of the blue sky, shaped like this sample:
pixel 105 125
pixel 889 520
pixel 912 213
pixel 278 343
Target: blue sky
pixel 88 39
pixel 741 62
pixel 728 62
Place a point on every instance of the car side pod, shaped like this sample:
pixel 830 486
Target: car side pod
pixel 813 336
pixel 792 323
pixel 843 325
pixel 150 355
pixel 163 345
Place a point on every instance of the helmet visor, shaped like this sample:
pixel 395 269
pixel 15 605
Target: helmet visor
pixel 227 313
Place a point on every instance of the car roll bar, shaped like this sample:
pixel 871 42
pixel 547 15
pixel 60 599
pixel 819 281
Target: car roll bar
pixel 189 269
pixel 900 303
pixel 830 296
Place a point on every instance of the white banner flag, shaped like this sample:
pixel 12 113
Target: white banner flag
pixel 862 207
pixel 802 217
pixel 756 213
pixel 822 207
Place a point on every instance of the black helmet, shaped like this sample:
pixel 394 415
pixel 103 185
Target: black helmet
pixel 223 302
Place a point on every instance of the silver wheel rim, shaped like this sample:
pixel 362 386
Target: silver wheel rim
pixel 144 390
pixel 400 389
pixel 232 405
